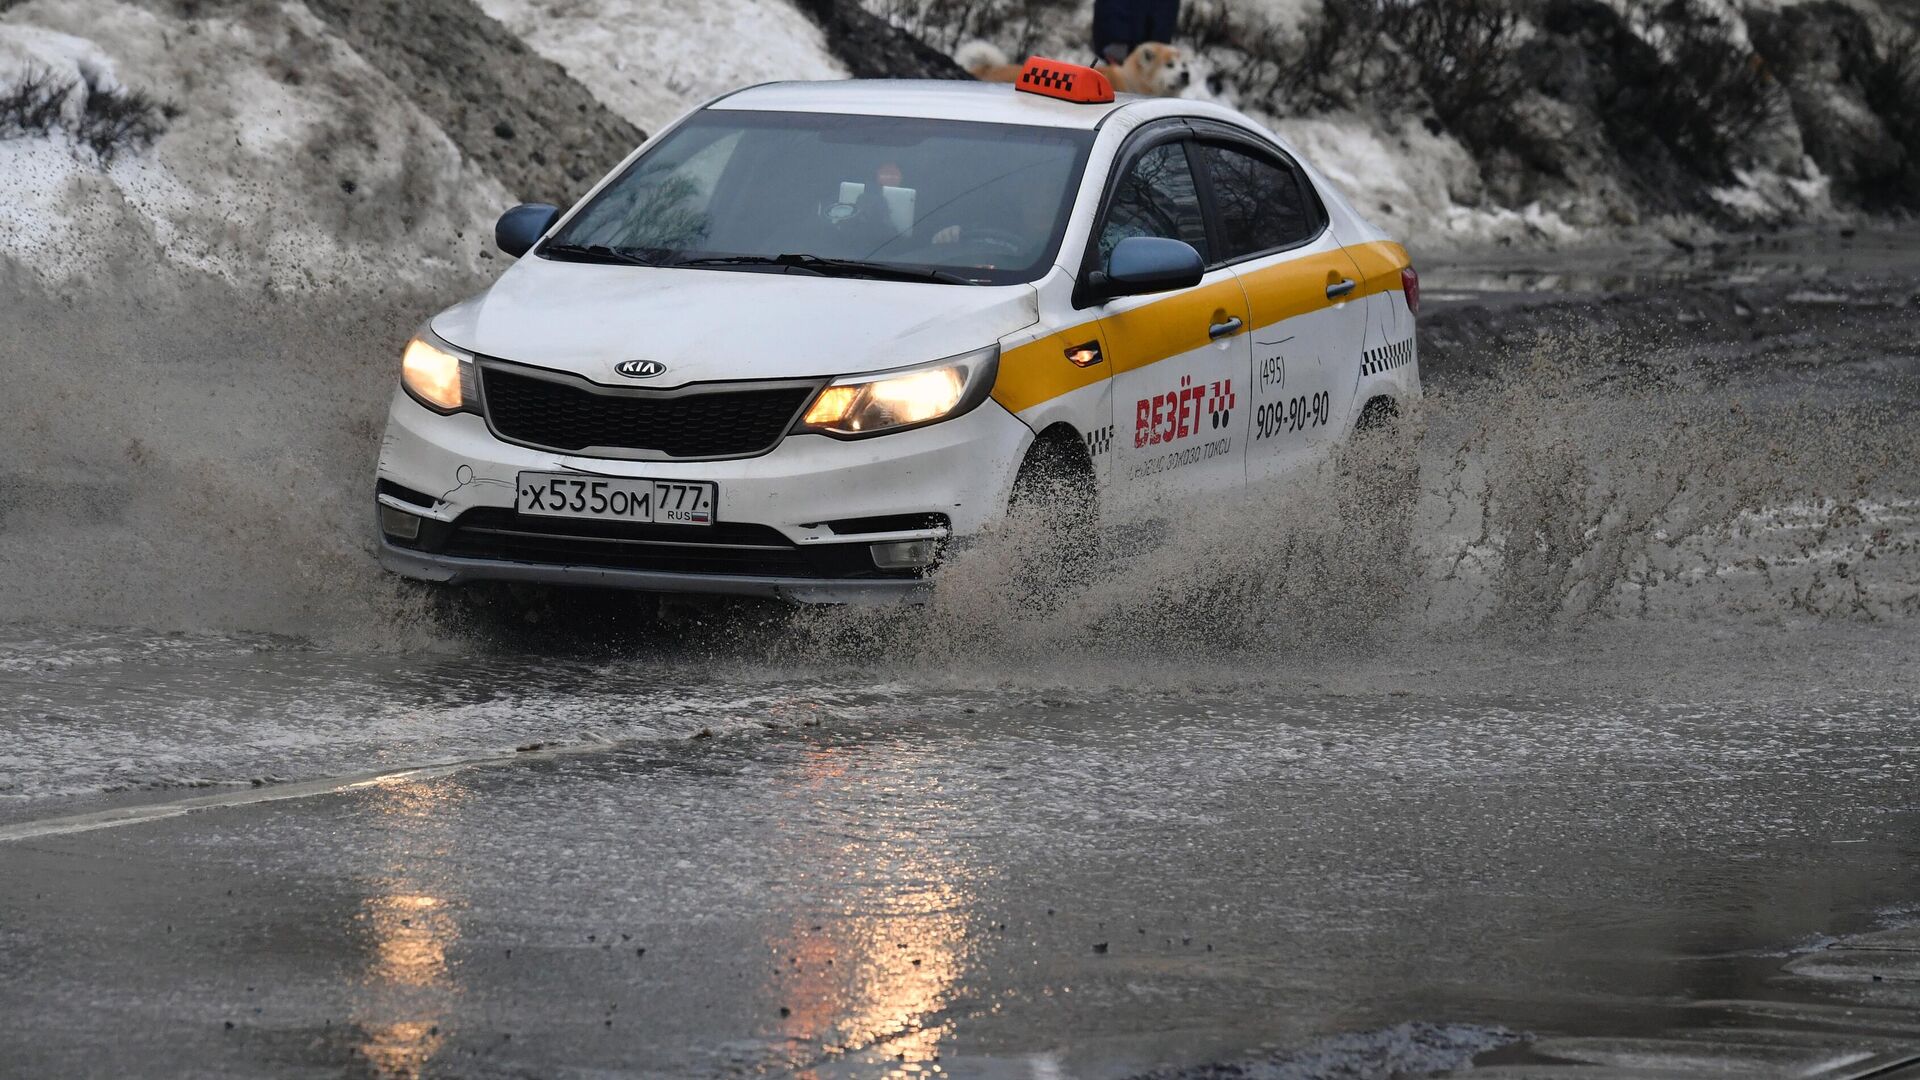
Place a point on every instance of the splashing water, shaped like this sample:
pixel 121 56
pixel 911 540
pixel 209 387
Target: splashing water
pixel 189 470
pixel 192 456
pixel 195 456
pixel 1564 495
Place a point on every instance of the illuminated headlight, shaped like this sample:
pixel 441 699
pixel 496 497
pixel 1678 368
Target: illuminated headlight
pixel 893 400
pixel 438 375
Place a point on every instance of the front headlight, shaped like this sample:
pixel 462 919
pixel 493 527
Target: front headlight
pixel 861 405
pixel 438 375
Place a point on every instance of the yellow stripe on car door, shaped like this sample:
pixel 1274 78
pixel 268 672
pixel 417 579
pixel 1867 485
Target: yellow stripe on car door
pixel 1038 371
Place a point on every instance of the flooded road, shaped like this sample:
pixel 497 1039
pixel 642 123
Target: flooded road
pixel 1617 743
pixel 978 878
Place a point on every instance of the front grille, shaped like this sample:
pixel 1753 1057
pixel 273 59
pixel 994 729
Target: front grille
pixel 722 548
pixel 699 424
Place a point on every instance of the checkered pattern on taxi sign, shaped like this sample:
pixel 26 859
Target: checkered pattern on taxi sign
pixel 1051 80
pixel 1387 358
pixel 1068 82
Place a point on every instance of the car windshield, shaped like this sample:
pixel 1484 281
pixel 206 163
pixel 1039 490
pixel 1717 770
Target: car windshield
pixel 883 196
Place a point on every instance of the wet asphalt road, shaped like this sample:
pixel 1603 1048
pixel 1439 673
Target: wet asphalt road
pixel 1588 851
pixel 987 883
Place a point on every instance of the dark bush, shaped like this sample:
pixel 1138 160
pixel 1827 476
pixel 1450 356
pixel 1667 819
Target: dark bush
pixel 1717 96
pixel 117 121
pixel 1891 86
pixel 1455 55
pixel 1206 26
pixel 32 105
pixel 1854 85
pixel 1460 53
pixel 111 122
pixel 1269 62
pixel 1681 106
pixel 1338 51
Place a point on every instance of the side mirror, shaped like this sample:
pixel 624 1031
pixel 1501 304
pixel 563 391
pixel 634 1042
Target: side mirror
pixel 521 227
pixel 1148 264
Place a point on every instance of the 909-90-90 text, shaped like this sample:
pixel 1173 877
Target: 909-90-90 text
pixel 1289 415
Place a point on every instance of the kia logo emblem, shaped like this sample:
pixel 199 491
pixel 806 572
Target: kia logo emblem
pixel 640 369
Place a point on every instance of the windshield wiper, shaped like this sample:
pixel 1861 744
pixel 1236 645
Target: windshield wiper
pixel 833 267
pixel 599 253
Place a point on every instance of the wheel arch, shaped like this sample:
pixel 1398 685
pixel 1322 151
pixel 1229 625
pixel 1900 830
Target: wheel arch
pixel 1377 412
pixel 1065 444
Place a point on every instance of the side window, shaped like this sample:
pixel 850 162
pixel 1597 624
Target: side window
pixel 1261 203
pixel 1157 197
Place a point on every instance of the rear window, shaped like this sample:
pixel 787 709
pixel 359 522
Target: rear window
pixel 1262 204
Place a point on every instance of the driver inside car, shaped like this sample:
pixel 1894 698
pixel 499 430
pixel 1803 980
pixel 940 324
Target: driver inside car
pixel 1010 224
pixel 870 221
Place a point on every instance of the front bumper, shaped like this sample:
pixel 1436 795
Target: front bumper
pixel 796 522
pixel 455 570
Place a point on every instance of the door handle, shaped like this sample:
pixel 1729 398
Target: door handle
pixel 1222 329
pixel 1340 288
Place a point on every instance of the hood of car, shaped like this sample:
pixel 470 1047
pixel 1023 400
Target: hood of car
pixel 665 327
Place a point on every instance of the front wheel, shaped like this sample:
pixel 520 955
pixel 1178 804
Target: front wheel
pixel 1053 519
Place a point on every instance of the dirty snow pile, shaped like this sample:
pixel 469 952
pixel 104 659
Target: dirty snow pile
pixel 650 60
pixel 253 143
pixel 281 159
pixel 263 149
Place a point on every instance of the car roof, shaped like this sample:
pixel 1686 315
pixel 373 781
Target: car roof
pixel 937 99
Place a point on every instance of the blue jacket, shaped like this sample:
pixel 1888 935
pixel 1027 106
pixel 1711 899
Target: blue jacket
pixel 1131 22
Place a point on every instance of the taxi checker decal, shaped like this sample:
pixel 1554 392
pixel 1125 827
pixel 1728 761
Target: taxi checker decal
pixel 1099 441
pixel 1048 80
pixel 1068 82
pixel 1386 358
pixel 1175 414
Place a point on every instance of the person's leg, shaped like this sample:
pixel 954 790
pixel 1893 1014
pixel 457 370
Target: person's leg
pixel 1112 26
pixel 1162 20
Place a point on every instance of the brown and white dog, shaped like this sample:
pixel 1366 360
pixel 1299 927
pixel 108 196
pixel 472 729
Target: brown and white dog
pixel 1154 67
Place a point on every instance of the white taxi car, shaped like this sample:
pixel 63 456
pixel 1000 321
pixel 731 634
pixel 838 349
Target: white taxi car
pixel 812 332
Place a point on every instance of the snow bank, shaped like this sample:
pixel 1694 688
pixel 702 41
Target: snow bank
pixel 650 60
pixel 25 48
pixel 1422 187
pixel 291 162
pixel 1561 154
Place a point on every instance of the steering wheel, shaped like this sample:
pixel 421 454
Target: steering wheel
pixel 999 239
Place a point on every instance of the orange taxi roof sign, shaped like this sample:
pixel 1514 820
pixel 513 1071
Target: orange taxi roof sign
pixel 1068 82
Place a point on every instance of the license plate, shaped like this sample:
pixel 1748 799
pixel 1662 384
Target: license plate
pixel 660 502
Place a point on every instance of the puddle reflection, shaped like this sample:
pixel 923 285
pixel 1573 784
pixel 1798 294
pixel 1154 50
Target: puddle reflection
pixel 877 982
pixel 410 937
pixel 402 1050
pixel 869 991
pixel 409 927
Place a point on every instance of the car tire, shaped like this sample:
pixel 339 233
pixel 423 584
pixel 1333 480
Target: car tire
pixel 1379 482
pixel 1053 518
